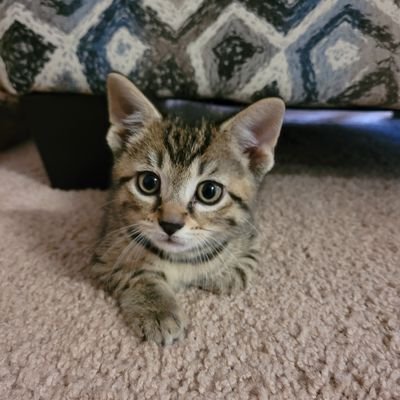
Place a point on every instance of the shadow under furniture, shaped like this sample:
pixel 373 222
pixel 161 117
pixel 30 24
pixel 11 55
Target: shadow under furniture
pixel 70 130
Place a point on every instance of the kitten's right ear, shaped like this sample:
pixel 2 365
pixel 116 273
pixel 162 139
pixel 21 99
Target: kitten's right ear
pixel 129 110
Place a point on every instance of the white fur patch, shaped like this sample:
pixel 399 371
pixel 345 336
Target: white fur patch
pixel 133 122
pixel 113 138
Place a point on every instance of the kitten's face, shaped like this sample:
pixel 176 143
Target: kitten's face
pixel 183 188
pixel 186 189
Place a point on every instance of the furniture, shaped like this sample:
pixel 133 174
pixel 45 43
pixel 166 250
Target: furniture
pixel 311 53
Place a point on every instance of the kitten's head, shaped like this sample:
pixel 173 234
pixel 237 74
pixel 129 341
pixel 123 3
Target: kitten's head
pixel 180 188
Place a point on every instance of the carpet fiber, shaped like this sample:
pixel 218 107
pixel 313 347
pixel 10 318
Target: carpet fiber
pixel 322 322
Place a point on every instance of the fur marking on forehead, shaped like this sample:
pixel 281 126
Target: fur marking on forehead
pixel 186 142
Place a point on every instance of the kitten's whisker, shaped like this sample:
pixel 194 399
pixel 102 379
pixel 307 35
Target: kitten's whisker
pixel 105 204
pixel 124 228
pixel 111 247
pixel 120 239
pixel 219 254
pixel 251 223
pixel 126 253
pixel 116 241
pixel 203 245
pixel 128 249
pixel 121 257
pixel 104 239
pixel 208 249
pixel 210 246
pixel 199 248
pixel 208 230
pixel 218 244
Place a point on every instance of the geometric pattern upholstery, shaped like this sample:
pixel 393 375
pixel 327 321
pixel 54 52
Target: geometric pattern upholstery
pixel 310 53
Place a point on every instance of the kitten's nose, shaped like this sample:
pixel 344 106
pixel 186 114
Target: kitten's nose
pixel 169 227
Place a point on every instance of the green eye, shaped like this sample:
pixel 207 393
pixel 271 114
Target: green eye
pixel 148 183
pixel 209 192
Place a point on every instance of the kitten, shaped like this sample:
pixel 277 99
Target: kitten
pixel 181 206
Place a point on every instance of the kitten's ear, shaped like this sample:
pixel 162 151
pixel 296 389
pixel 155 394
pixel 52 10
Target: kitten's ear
pixel 129 109
pixel 257 129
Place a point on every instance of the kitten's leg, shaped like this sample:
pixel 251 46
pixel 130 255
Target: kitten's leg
pixel 149 304
pixel 235 277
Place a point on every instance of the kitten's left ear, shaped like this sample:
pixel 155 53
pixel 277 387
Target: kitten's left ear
pixel 257 129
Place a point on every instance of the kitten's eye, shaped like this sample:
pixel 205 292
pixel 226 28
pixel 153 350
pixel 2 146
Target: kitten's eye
pixel 209 192
pixel 148 183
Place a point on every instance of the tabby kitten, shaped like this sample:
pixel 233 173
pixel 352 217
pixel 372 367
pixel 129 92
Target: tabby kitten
pixel 181 204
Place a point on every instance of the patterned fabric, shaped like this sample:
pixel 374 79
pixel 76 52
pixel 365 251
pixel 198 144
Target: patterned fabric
pixel 314 52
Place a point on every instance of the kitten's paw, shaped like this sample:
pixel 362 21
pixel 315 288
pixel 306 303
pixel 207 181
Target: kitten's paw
pixel 164 327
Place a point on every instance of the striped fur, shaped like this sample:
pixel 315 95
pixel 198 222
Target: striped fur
pixel 215 248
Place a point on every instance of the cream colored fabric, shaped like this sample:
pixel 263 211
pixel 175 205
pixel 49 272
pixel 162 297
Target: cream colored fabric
pixel 322 322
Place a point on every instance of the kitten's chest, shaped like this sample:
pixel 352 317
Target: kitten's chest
pixel 181 275
pixel 186 274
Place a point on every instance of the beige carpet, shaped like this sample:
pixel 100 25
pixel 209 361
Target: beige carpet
pixel 322 323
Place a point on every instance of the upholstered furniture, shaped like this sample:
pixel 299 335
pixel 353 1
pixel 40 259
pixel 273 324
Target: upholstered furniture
pixel 315 53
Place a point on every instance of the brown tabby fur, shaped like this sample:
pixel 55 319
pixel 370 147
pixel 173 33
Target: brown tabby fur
pixel 219 254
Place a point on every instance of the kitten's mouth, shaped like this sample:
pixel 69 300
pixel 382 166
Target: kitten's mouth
pixel 164 245
pixel 162 242
pixel 171 244
pixel 172 240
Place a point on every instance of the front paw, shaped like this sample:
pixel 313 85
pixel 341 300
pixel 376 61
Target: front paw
pixel 163 327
